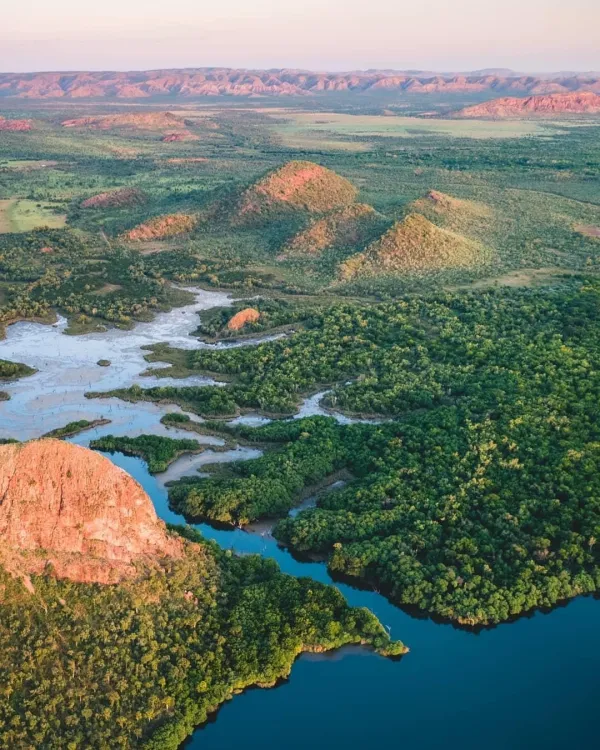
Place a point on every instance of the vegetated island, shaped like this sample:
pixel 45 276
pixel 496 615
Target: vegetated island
pixel 10 371
pixel 14 370
pixel 157 451
pixel 195 624
pixel 74 428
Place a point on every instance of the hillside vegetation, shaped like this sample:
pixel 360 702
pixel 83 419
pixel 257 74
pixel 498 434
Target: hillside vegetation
pixel 120 198
pixel 346 227
pixel 144 663
pixel 414 245
pixel 161 227
pixel 133 120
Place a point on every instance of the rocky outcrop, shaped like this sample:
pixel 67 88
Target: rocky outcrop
pixel 182 135
pixel 284 82
pixel 242 318
pixel 15 126
pixel 130 121
pixel 585 102
pixel 71 510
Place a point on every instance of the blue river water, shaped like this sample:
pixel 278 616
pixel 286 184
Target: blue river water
pixel 532 683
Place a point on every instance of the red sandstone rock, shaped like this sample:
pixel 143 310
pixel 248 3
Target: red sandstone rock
pixel 70 507
pixel 584 102
pixel 239 320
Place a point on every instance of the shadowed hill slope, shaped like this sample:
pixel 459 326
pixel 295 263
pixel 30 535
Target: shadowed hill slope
pixel 344 227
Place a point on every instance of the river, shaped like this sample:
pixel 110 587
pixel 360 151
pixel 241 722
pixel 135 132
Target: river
pixel 526 684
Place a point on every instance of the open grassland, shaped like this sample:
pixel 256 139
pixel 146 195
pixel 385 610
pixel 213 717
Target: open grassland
pixel 18 215
pixel 300 129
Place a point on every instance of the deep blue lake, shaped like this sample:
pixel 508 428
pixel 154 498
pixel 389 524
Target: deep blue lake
pixel 532 683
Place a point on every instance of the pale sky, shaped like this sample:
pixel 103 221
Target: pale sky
pixel 529 35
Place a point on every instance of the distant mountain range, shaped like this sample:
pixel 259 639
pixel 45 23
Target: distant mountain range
pixel 239 82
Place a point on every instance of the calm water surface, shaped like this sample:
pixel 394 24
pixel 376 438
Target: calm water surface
pixel 528 684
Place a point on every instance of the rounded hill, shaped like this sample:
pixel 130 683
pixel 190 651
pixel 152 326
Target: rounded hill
pixel 296 186
pixel 414 245
pixel 120 198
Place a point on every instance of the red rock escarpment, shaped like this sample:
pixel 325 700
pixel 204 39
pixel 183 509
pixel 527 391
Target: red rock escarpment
pixel 585 102
pixel 70 507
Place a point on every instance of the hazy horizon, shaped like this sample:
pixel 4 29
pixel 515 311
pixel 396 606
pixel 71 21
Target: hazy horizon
pixel 537 36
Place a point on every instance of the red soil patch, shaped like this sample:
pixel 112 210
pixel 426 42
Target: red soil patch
pixel 588 230
pixel 190 160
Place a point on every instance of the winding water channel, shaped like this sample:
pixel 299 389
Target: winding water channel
pixel 532 683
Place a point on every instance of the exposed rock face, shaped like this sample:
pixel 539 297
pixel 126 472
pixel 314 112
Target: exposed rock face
pixel 15 126
pixel 73 508
pixel 240 82
pixel 585 102
pixel 242 318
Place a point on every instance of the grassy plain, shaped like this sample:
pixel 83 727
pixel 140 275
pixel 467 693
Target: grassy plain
pixel 17 215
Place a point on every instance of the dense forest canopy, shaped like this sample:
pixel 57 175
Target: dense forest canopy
pixel 480 500
pixel 141 664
